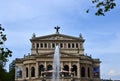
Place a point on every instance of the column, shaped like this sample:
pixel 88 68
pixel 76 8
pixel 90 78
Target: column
pixel 86 72
pixel 78 70
pixel 61 66
pixel 45 68
pixel 45 65
pixel 70 67
pixel 99 72
pixel 29 71
pixel 36 70
pixel 23 72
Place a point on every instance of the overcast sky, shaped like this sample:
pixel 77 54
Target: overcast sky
pixel 22 18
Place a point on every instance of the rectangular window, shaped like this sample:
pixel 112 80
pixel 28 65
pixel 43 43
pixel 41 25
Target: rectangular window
pixel 69 46
pixel 41 45
pixel 76 45
pixel 45 45
pixel 73 45
pixel 53 45
pixel 37 45
pixel 61 45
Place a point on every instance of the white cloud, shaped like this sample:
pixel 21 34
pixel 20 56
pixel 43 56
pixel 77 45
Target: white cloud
pixel 112 72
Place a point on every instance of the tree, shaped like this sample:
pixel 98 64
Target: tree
pixel 4 52
pixel 12 71
pixel 3 74
pixel 103 6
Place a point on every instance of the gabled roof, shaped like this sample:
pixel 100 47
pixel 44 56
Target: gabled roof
pixel 57 37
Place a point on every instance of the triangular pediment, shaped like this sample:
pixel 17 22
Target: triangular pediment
pixel 56 37
pixel 62 54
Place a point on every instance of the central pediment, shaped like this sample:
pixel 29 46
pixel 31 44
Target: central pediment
pixel 62 54
pixel 56 37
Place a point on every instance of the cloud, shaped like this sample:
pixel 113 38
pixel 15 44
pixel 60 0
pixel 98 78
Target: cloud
pixel 112 72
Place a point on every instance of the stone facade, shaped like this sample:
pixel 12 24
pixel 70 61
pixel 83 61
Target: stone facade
pixel 74 64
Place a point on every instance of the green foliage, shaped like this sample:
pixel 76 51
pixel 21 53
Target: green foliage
pixel 103 6
pixel 12 74
pixel 7 76
pixel 3 74
pixel 4 52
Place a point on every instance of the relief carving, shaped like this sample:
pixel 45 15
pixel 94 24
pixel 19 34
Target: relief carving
pixel 57 38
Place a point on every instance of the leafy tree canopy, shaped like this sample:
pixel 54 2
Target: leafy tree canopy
pixel 4 52
pixel 103 6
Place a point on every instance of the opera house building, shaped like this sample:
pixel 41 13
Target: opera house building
pixel 75 65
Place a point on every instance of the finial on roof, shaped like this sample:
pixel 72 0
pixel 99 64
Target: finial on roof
pixel 57 29
pixel 34 35
pixel 80 36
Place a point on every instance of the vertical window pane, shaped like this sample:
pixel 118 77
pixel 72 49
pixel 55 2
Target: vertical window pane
pixel 32 72
pixel 69 45
pixel 53 45
pixel 73 45
pixel 61 45
pixel 19 72
pixel 37 45
pixel 26 72
pixel 41 45
pixel 45 45
pixel 76 45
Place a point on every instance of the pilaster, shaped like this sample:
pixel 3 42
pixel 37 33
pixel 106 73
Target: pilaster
pixel 36 71
pixel 78 70
pixel 45 64
pixel 70 67
pixel 86 70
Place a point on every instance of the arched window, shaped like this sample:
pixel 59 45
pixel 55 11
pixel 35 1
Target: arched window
pixel 74 69
pixel 82 72
pixel 49 74
pixel 32 72
pixel 41 68
pixel 49 67
pixel 66 68
pixel 19 72
pixel 26 72
pixel 88 72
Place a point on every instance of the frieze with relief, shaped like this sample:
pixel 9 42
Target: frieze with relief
pixel 57 38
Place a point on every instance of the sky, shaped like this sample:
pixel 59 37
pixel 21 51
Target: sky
pixel 22 18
